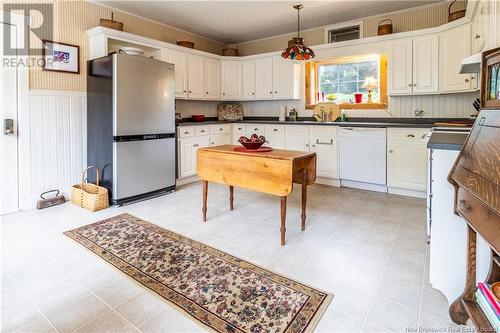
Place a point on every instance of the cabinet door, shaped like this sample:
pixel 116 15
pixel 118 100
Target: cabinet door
pixel 231 88
pixel 217 140
pixel 264 78
pixel 327 156
pixel 479 27
pixel 407 165
pixel 212 78
pixel 425 64
pixel 283 78
pixel 298 143
pixel 249 79
pixel 454 45
pixel 400 67
pixel 187 157
pixel 195 77
pixel 180 61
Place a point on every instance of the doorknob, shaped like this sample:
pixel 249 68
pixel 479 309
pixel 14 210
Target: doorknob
pixel 8 127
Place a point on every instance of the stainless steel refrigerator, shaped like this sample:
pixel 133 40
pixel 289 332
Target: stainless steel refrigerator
pixel 131 126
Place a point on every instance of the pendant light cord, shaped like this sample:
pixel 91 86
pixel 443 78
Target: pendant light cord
pixel 298 22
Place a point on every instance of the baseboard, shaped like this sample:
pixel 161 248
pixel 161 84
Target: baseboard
pixel 407 193
pixel 328 181
pixel 184 181
pixel 364 186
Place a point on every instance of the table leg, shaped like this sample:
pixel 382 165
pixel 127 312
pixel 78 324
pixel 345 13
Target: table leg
pixel 304 199
pixel 283 220
pixel 231 197
pixel 204 184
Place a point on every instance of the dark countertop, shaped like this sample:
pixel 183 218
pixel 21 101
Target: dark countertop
pixel 357 122
pixel 447 140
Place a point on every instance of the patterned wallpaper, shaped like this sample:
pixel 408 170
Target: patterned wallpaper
pixel 71 21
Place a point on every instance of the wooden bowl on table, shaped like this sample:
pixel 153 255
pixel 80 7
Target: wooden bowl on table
pixel 252 143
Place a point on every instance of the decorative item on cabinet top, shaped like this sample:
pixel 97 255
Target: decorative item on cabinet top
pixel 384 27
pixel 230 111
pixel 112 24
pixel 452 16
pixel 186 43
pixel 230 50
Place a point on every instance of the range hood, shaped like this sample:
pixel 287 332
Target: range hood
pixel 471 64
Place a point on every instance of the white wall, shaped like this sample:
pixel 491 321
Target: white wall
pixel 55 143
pixel 435 106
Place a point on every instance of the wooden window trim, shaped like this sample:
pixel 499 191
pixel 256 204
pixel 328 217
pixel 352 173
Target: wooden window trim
pixel 312 84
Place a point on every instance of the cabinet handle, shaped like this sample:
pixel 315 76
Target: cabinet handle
pixel 253 93
pixel 410 136
pixel 477 36
pixel 207 92
pixel 466 80
pixel 275 130
pixel 271 92
pixel 239 128
pixel 195 145
pixel 221 129
pixel 314 146
pixel 324 143
pixel 275 92
pixel 186 132
pixel 391 151
pixel 464 205
pixel 184 90
pixel 190 91
pixel 202 131
pixel 307 145
pixel 256 129
pixel 213 143
pixel 224 94
pixel 414 84
pixel 410 84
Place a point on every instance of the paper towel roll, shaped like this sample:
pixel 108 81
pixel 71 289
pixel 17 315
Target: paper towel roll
pixel 282 116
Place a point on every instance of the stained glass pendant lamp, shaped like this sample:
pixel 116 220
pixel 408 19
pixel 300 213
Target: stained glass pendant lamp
pixel 296 49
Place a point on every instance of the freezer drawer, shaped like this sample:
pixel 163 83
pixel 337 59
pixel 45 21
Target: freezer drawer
pixel 144 166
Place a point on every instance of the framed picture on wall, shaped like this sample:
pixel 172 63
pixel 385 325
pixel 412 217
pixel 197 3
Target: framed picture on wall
pixel 61 57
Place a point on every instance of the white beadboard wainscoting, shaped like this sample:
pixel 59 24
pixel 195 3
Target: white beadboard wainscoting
pixel 54 143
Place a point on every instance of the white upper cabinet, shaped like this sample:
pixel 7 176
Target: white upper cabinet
pixel 480 26
pixel 264 78
pixel 285 77
pixel 231 85
pixel 196 75
pixel 425 64
pixel 413 65
pixel 400 67
pixel 249 79
pixel 454 45
pixel 212 78
pixel 179 59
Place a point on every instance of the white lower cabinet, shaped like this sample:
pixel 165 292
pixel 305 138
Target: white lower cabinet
pixel 187 154
pixel 217 140
pixel 327 156
pixel 407 159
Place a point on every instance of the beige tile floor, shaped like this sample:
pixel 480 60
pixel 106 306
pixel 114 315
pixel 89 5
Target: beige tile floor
pixel 367 248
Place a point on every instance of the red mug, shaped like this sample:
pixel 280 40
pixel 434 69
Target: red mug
pixel 358 97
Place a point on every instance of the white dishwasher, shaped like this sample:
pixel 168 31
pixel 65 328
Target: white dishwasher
pixel 363 155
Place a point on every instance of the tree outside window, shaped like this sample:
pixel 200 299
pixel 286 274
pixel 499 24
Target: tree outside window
pixel 340 81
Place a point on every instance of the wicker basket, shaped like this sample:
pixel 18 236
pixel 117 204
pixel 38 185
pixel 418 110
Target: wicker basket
pixel 90 196
pixel 112 24
pixel 452 16
pixel 384 27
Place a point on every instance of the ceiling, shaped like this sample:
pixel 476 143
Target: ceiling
pixel 241 21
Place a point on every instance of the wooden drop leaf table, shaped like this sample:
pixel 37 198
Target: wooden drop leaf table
pixel 272 172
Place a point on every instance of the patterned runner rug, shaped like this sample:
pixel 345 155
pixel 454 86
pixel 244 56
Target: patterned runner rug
pixel 224 293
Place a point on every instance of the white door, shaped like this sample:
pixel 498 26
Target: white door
pixel 217 140
pixel 231 87
pixel 249 79
pixel 479 27
pixel 187 157
pixel 264 78
pixel 454 45
pixel 326 152
pixel 400 67
pixel 195 77
pixel 298 143
pixel 180 60
pixel 407 165
pixel 13 86
pixel 283 78
pixel 212 78
pixel 425 64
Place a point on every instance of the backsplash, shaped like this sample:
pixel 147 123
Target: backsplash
pixel 434 106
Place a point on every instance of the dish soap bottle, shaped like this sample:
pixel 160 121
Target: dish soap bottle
pixel 343 116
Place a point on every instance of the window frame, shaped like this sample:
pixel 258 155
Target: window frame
pixel 343 25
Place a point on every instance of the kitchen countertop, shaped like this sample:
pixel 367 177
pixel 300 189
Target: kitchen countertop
pixel 359 122
pixel 447 140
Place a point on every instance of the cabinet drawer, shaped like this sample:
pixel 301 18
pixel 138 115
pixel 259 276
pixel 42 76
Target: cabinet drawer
pixel 220 129
pixel 414 135
pixel 201 130
pixel 258 129
pixel 324 131
pixel 239 130
pixel 273 130
pixel 297 130
pixel 484 221
pixel 185 131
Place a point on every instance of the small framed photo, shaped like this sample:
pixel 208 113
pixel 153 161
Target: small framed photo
pixel 61 57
